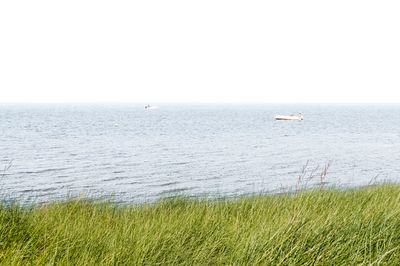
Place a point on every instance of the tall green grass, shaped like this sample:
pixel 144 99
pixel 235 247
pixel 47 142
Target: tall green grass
pixel 359 226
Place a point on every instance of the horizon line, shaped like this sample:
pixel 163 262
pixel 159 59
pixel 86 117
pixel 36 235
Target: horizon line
pixel 192 103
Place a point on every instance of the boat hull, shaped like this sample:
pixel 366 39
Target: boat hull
pixel 288 117
pixel 151 107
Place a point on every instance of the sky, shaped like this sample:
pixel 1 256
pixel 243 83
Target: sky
pixel 208 51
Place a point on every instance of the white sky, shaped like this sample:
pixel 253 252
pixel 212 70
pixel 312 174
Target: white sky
pixel 206 51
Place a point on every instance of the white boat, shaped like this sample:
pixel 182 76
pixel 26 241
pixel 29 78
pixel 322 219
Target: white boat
pixel 150 107
pixel 299 116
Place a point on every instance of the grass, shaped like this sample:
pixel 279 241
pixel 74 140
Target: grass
pixel 323 227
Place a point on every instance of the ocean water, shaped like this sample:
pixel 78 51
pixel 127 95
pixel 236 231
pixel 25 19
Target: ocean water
pixel 134 154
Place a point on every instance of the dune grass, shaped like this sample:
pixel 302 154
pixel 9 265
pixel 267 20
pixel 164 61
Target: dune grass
pixel 356 226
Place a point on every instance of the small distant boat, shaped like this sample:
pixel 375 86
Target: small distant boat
pixel 299 116
pixel 150 107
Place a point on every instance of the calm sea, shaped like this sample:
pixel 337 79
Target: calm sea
pixel 136 154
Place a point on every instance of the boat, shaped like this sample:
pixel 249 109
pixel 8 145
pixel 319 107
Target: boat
pixel 299 116
pixel 150 107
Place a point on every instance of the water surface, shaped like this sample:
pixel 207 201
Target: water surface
pixel 137 154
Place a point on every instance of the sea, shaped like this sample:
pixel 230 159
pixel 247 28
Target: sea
pixel 131 154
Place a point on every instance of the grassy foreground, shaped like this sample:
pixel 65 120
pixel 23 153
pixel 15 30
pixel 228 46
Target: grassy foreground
pixel 360 226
